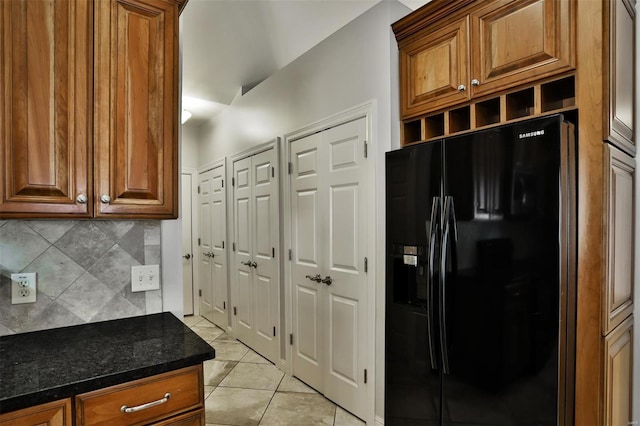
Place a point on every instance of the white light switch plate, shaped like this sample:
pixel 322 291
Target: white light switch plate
pixel 145 277
pixel 23 288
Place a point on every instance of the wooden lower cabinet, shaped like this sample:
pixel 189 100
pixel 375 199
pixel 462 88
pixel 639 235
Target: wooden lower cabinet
pixel 57 413
pixel 152 400
pixel 618 374
pixel 175 398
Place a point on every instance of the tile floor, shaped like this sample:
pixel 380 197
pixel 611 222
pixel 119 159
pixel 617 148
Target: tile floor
pixel 243 388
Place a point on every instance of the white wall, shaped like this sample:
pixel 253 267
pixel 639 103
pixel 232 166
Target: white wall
pixel 355 65
pixel 189 143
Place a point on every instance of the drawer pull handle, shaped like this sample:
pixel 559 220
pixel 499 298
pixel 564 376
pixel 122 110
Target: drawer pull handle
pixel 126 409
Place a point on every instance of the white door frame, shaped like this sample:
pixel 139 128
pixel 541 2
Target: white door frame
pixel 366 110
pixel 275 144
pixel 194 233
pixel 205 168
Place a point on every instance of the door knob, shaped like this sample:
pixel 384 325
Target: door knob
pixel 211 255
pixel 82 199
pixel 105 199
pixel 253 264
pixel 246 263
pixel 462 88
pixel 317 278
pixel 475 82
pixel 187 256
pixel 327 280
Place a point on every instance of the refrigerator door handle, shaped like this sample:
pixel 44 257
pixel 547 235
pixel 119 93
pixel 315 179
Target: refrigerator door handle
pixel 436 206
pixel 447 220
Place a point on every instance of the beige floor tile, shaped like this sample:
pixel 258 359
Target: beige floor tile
pixel 345 418
pixel 216 370
pixel 289 408
pixel 224 337
pixel 208 334
pixel 191 321
pixel 208 390
pixel 241 407
pixel 252 356
pixel 229 351
pixel 291 384
pixel 206 323
pixel 253 376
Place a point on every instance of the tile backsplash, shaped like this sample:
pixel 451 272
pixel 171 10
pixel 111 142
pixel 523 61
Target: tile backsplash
pixel 83 271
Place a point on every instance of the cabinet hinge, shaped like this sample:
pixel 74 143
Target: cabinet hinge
pixel 273 171
pixel 235 310
pixel 198 241
pixel 200 293
pixel 365 375
pixel 274 331
pixel 198 189
pixel 290 167
pixel 273 252
pixel 223 183
pixel 233 247
pixel 289 254
pixel 233 181
pixel 291 339
pixel 365 149
pixel 366 264
pixel 224 305
pixel 223 244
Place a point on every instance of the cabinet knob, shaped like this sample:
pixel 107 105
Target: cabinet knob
pixel 82 199
pixel 105 199
pixel 475 82
pixel 462 88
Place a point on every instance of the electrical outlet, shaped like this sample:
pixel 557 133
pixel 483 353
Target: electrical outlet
pixel 145 277
pixel 23 288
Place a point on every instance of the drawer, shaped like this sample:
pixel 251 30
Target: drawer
pixel 189 419
pixel 149 400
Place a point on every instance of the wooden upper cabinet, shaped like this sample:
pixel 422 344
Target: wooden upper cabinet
pixel 136 108
pixel 515 42
pixel 619 232
pixel 45 130
pixel 453 51
pixel 621 71
pixel 435 69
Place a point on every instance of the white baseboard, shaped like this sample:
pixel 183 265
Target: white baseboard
pixel 379 421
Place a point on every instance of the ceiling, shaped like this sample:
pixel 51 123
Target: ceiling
pixel 232 45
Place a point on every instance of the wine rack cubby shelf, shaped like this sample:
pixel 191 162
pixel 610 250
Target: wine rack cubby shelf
pixel 543 98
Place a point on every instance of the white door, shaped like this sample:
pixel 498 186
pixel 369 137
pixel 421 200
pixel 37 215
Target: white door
pixel 242 265
pixel 255 265
pixel 187 254
pixel 264 239
pixel 213 252
pixel 218 247
pixel 205 245
pixel 329 236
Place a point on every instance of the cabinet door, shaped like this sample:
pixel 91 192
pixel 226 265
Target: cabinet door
pixel 619 232
pixel 621 75
pixel 45 155
pixel 514 42
pixel 434 69
pixel 617 374
pixel 56 413
pixel 136 108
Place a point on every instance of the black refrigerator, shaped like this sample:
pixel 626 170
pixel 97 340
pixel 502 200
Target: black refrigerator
pixel 480 277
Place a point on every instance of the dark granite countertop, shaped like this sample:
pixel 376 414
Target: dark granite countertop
pixel 48 365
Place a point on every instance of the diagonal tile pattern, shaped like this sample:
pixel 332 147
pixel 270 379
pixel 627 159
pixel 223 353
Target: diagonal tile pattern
pixel 83 271
pixel 244 389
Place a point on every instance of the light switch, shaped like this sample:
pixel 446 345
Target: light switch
pixel 145 277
